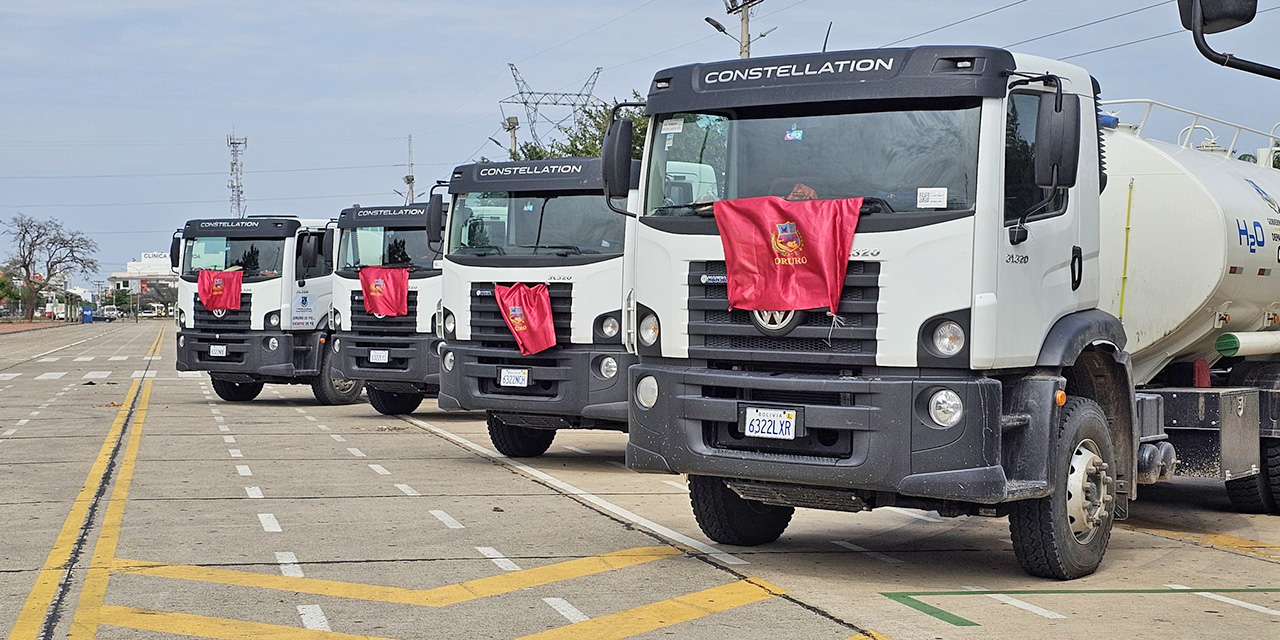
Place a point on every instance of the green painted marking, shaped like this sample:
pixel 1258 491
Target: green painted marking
pixel 928 609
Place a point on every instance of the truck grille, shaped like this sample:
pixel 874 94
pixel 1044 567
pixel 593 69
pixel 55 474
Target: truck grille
pixel 363 322
pixel 238 320
pixel 715 333
pixel 489 329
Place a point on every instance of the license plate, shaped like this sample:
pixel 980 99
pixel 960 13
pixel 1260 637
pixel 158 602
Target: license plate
pixel 513 378
pixel 378 356
pixel 218 350
pixel 777 424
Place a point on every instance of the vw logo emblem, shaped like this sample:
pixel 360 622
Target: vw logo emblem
pixel 219 313
pixel 776 323
pixel 379 316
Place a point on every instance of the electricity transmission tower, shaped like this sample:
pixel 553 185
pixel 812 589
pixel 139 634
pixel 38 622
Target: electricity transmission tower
pixel 534 101
pixel 236 182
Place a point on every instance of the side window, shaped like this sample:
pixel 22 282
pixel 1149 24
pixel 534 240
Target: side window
pixel 323 266
pixel 1021 194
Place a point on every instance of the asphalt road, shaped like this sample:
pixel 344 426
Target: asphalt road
pixel 137 504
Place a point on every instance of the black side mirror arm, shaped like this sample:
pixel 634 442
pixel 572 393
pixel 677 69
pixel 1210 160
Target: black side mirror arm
pixel 605 148
pixel 1224 59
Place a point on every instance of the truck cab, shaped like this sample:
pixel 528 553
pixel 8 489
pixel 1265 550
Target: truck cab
pixel 279 333
pixel 395 356
pixel 543 222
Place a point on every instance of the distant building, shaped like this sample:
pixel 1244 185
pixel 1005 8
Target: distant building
pixel 151 271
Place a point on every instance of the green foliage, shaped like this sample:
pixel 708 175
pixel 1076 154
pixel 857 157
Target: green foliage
pixel 584 139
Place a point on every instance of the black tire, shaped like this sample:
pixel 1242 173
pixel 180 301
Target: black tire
pixel 728 518
pixel 1252 494
pixel 1259 493
pixel 330 389
pixel 1041 529
pixel 236 391
pixel 389 403
pixel 1271 461
pixel 518 442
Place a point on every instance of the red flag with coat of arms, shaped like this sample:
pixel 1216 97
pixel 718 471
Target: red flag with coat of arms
pixel 782 255
pixel 219 289
pixel 386 290
pixel 527 312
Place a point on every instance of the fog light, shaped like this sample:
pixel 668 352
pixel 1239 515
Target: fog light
pixel 948 338
pixel 182 341
pixel 649 330
pixel 273 318
pixel 337 344
pixel 449 323
pixel 609 327
pixel 272 344
pixel 647 392
pixel 608 367
pixel 448 361
pixel 439 348
pixel 337 321
pixel 946 408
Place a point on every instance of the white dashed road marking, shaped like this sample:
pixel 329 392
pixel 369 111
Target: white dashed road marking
pixel 269 523
pixel 52 375
pixel 679 485
pixel 8 376
pixel 229 439
pixel 235 453
pixel 313 617
pixel 1021 604
pixel 379 469
pixel 502 561
pixel 289 564
pixel 338 438
pixel 567 610
pixel 925 516
pixel 9 432
pixel 253 492
pixel 53 359
pixel 118 358
pixel 408 490
pixel 446 519
pixel 84 359
pixel 867 552
pixel 96 375
pixel 145 374
pixel 1232 601
pixel 243 469
pixel 355 452
pixel 577 450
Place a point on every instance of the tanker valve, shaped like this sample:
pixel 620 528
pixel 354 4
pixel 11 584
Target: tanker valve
pixel 1273 318
pixel 1223 320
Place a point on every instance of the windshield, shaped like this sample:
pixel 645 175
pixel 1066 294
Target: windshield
pixel 257 257
pixel 382 246
pixel 505 223
pixel 910 160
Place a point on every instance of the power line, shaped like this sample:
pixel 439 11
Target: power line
pixel 947 26
pixel 1141 40
pixel 199 173
pixel 1090 24
pixel 177 202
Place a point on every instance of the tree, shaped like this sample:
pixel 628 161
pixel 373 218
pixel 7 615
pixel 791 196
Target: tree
pixel 584 138
pixel 46 252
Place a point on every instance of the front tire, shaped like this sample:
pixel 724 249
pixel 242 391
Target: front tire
pixel 518 442
pixel 330 389
pixel 1065 535
pixel 236 391
pixel 389 403
pixel 728 518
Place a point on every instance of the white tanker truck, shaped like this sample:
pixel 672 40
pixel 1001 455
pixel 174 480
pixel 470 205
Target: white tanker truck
pixel 1044 306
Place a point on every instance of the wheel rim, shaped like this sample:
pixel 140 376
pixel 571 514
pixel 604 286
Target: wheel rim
pixel 342 385
pixel 1088 497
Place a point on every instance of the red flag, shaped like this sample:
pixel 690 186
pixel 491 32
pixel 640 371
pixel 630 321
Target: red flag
pixel 386 291
pixel 527 311
pixel 786 256
pixel 219 289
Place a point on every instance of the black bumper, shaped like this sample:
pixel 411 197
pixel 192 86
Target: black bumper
pixel 564 382
pixel 869 434
pixel 249 357
pixel 412 363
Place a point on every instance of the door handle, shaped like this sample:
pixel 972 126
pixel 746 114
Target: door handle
pixel 1077 267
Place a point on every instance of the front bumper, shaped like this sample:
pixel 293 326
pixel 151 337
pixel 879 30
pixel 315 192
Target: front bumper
pixel 248 356
pixel 412 363
pixel 564 382
pixel 863 434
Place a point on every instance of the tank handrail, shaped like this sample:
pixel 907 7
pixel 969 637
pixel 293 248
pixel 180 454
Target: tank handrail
pixel 1196 118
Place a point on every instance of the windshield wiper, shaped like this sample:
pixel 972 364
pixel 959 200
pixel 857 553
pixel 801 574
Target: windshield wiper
pixel 567 248
pixel 696 208
pixel 499 250
pixel 881 205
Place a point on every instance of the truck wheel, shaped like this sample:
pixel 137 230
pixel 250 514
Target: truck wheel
pixel 236 391
pixel 1271 466
pixel 1252 494
pixel 1065 535
pixel 330 389
pixel 518 442
pixel 1260 493
pixel 389 403
pixel 728 518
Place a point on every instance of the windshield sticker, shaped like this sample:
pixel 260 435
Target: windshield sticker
pixel 671 139
pixel 794 134
pixel 528 206
pixel 931 198
pixel 674 125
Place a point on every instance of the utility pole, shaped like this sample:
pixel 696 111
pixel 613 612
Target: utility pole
pixel 409 195
pixel 510 125
pixel 236 182
pixel 743 9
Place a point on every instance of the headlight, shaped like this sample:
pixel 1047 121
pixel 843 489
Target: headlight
pixel 647 392
pixel 609 327
pixel 337 344
pixel 945 408
pixel 448 361
pixel 273 318
pixel 608 367
pixel 439 348
pixel 337 321
pixel 649 330
pixel 449 323
pixel 272 344
pixel 948 339
pixel 182 318
pixel 182 341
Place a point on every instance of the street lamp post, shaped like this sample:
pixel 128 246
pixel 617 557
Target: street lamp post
pixel 743 9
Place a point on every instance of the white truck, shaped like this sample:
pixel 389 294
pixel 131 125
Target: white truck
pixel 280 331
pixel 1040 312
pixel 395 356
pixel 542 222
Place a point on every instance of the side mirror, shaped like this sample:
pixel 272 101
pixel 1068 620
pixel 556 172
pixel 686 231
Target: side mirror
pixel 1217 15
pixel 435 218
pixel 1057 141
pixel 175 251
pixel 326 246
pixel 310 251
pixel 616 156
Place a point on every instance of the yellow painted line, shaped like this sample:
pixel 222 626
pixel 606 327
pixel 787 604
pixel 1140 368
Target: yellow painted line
pixel 869 635
pixel 649 617
pixel 31 618
pixel 437 597
pixel 1222 541
pixel 84 626
pixel 184 624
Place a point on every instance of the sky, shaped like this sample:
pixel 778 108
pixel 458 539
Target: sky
pixel 114 114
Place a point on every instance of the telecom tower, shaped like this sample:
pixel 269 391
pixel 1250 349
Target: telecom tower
pixel 236 183
pixel 534 100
